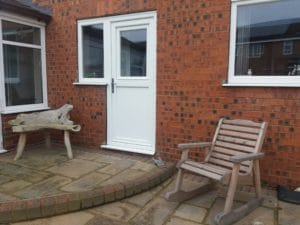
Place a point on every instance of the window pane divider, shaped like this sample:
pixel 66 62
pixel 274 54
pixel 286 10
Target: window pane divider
pixel 20 44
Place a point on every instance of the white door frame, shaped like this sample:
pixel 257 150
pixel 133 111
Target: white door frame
pixel 147 21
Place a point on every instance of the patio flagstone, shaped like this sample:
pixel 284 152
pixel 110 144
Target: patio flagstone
pixel 75 168
pixel 45 188
pixel 85 183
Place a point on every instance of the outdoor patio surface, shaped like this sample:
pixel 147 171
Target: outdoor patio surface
pixel 150 208
pixel 44 182
pixel 42 174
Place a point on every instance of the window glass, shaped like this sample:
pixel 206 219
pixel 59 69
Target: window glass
pixel 133 53
pixel 22 73
pixel 20 33
pixel 93 60
pixel 268 39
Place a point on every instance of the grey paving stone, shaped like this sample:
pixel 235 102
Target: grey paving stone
pixel 100 220
pixel 118 211
pixel 5 197
pixel 205 200
pixel 17 172
pixel 190 212
pixel 107 159
pixel 147 167
pixel 45 188
pixel 260 216
pixel 78 218
pixel 155 213
pixel 143 198
pixel 75 168
pixel 289 214
pixel 91 156
pixel 86 183
pixel 128 174
pixel 217 207
pixel 178 221
pixel 14 186
pixel 4 179
pixel 117 167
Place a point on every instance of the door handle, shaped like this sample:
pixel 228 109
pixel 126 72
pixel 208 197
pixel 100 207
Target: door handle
pixel 112 85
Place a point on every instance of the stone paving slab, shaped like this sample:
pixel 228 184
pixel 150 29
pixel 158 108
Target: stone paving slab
pixel 75 168
pixel 155 210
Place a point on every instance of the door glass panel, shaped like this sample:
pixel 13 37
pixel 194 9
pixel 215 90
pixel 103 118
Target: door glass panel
pixel 23 75
pixel 133 53
pixel 20 33
pixel 92 47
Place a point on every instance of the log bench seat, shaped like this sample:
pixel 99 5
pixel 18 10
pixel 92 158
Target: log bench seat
pixel 44 121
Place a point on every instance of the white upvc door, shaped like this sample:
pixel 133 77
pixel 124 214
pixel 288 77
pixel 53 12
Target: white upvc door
pixel 131 93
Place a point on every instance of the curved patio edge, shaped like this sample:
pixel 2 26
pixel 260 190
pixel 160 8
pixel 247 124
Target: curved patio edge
pixel 28 209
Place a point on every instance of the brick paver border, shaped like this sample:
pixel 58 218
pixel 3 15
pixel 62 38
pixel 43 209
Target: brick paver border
pixel 20 210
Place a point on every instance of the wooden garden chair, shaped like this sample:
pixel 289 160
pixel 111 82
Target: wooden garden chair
pixel 234 152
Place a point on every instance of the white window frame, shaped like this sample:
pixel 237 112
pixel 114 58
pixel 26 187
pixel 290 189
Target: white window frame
pixel 30 22
pixel 107 23
pixel 264 81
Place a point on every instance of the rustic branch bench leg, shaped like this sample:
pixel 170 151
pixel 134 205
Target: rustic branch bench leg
pixel 68 144
pixel 48 139
pixel 21 145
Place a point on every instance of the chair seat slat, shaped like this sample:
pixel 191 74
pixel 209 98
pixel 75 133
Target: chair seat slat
pixel 202 172
pixel 207 167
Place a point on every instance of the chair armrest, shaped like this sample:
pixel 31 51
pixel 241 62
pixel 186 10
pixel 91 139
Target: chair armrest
pixel 185 146
pixel 242 158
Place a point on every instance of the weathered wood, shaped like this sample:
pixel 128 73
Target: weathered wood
pixel 227 164
pixel 232 188
pixel 236 140
pixel 239 134
pixel 36 127
pixel 214 139
pixel 68 144
pixel 178 196
pixel 194 145
pixel 241 129
pixel 256 174
pixel 237 214
pixel 248 123
pixel 234 146
pixel 202 172
pixel 242 158
pixel 21 146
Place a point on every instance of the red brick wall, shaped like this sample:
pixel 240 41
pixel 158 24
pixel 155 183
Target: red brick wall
pixel 192 61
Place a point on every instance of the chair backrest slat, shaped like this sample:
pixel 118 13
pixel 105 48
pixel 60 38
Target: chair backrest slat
pixel 236 137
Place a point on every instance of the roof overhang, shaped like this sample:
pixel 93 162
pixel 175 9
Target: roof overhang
pixel 26 8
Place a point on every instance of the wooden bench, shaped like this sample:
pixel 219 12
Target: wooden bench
pixel 23 130
pixel 57 119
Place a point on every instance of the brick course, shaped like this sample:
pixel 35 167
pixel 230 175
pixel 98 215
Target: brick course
pixel 192 62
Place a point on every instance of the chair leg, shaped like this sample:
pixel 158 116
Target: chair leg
pixel 21 146
pixel 232 188
pixel 256 174
pixel 178 184
pixel 68 144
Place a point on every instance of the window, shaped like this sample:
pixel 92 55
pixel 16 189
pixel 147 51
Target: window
pixel 22 61
pixel 263 46
pixel 287 47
